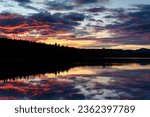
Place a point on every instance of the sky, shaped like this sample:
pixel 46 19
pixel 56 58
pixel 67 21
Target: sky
pixel 116 24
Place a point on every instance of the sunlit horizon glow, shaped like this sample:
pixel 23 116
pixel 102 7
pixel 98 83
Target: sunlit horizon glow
pixel 69 43
pixel 90 24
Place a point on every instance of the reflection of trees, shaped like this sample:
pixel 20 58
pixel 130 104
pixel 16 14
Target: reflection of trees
pixel 21 70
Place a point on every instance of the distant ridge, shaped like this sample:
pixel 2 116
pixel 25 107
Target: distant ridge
pixel 144 50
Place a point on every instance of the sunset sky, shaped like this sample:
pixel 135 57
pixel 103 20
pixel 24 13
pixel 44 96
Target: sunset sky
pixel 123 24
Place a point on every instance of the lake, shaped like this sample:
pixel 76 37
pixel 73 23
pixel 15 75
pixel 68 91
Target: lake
pixel 88 82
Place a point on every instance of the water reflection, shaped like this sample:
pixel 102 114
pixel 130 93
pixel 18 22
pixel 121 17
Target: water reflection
pixel 123 81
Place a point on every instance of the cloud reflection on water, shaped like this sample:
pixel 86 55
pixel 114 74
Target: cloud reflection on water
pixel 129 81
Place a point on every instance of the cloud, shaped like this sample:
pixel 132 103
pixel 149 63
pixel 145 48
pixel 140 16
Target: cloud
pixel 131 26
pixel 75 16
pixel 39 24
pixel 58 6
pixel 89 1
pixel 97 9
pixel 137 21
pixel 84 1
pixel 8 19
pixel 10 23
pixel 23 1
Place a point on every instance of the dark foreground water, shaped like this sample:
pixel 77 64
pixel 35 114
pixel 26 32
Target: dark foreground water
pixel 125 81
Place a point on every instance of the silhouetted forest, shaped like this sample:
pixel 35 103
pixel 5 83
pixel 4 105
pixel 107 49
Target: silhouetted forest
pixel 19 50
pixel 20 58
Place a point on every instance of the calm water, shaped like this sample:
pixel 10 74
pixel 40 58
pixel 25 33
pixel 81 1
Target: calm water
pixel 127 81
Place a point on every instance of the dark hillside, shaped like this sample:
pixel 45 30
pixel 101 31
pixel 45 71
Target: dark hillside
pixel 19 50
